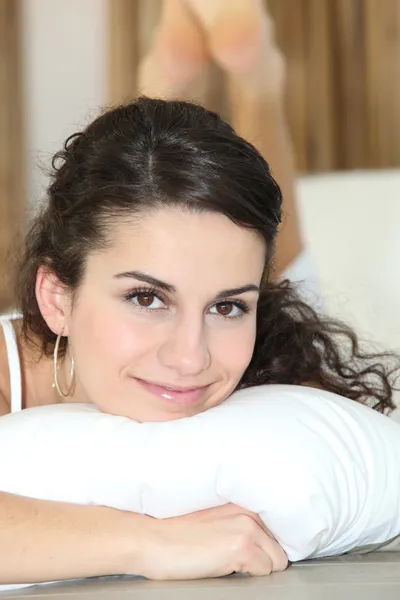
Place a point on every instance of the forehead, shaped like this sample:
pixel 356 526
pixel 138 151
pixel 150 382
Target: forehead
pixel 177 245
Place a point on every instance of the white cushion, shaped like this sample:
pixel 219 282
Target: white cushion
pixel 321 470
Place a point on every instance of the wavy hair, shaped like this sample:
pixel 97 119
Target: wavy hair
pixel 150 154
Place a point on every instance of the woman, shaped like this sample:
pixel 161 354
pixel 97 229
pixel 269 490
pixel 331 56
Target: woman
pixel 144 289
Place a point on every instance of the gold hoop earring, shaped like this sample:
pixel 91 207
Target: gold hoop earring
pixel 55 365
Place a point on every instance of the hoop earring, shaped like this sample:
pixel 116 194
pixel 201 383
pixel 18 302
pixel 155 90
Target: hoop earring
pixel 55 365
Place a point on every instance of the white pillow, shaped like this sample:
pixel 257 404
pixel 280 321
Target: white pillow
pixel 321 470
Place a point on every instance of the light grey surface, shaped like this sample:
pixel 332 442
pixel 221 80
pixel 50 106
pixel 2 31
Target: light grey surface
pixel 368 577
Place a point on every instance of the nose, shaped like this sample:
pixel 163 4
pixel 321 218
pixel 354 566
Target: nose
pixel 185 348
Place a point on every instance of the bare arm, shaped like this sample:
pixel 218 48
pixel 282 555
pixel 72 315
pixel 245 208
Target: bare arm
pixel 46 541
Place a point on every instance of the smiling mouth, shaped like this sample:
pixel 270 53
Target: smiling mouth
pixel 174 395
pixel 175 388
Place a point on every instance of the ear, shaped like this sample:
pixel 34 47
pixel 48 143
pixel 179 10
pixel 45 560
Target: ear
pixel 53 300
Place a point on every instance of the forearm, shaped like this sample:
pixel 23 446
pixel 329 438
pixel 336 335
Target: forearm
pixel 47 541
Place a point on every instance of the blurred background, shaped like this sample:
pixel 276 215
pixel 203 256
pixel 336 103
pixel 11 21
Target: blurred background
pixel 61 61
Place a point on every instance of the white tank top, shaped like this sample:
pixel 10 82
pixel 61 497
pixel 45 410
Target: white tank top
pixel 14 364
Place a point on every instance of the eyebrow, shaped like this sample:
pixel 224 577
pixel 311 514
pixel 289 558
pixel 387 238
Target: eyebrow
pixel 167 287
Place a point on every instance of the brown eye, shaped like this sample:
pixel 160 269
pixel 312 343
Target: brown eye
pixel 145 300
pixel 229 310
pixel 224 309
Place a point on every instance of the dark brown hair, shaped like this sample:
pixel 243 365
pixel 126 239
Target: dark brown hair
pixel 153 153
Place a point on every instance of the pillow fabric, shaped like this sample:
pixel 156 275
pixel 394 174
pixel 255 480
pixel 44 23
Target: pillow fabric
pixel 321 470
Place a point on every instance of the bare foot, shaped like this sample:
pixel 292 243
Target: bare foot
pixel 178 56
pixel 241 41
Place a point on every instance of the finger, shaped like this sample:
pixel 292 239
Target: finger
pixel 257 518
pixel 261 523
pixel 272 549
pixel 256 562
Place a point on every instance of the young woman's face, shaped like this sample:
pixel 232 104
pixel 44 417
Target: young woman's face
pixel 165 320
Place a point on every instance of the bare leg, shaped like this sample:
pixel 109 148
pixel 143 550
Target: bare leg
pixel 234 31
pixel 176 65
pixel 260 118
pixel 241 41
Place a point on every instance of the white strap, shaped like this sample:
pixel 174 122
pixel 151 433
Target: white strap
pixel 14 365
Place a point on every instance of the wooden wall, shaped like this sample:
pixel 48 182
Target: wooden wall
pixel 12 162
pixel 343 94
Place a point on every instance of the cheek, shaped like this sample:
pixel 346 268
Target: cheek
pixel 110 337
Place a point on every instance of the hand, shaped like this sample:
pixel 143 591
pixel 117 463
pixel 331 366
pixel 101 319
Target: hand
pixel 209 543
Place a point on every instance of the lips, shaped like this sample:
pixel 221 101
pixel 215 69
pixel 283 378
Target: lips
pixel 174 395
